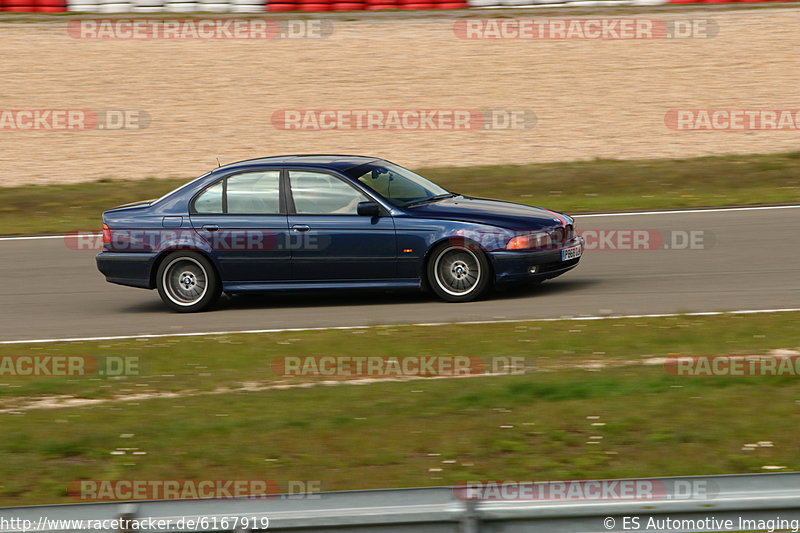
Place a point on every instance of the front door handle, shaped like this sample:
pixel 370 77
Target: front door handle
pixel 301 227
pixel 210 227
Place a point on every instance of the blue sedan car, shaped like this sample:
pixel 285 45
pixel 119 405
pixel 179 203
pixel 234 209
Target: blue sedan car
pixel 328 221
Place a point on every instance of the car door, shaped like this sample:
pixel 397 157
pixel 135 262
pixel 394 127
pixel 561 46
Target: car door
pixel 243 219
pixel 329 240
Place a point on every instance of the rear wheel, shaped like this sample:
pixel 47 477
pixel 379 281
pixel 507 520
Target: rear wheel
pixel 458 273
pixel 187 282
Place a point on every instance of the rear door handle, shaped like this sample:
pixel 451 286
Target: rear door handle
pixel 301 227
pixel 210 227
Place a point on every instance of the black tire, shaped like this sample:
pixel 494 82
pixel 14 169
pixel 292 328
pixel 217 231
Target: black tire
pixel 187 282
pixel 458 273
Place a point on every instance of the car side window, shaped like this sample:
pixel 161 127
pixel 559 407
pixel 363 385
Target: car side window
pixel 387 186
pixel 255 193
pixel 316 193
pixel 210 201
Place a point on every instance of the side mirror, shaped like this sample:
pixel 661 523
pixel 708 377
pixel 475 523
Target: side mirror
pixel 369 209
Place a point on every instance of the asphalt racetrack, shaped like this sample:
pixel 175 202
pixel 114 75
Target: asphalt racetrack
pixel 740 259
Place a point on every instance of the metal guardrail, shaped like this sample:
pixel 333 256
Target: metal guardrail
pixel 756 497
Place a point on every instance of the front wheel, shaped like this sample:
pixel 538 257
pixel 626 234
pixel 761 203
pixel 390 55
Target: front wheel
pixel 187 282
pixel 458 273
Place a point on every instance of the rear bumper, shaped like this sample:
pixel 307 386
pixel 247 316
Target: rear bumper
pixel 513 266
pixel 131 269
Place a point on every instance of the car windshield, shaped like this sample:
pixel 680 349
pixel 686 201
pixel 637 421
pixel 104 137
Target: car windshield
pixel 398 185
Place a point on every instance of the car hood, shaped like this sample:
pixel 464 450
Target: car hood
pixel 493 212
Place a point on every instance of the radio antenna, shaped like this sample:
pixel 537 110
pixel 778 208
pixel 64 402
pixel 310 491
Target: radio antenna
pixel 218 163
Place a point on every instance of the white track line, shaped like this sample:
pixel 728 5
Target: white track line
pixel 423 324
pixel 46 237
pixel 688 211
pixel 614 214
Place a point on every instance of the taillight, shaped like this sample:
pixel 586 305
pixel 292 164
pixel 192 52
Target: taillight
pixel 106 236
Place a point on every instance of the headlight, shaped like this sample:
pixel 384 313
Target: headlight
pixel 529 241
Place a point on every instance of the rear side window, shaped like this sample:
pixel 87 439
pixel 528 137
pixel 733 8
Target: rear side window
pixel 248 193
pixel 210 201
pixel 254 193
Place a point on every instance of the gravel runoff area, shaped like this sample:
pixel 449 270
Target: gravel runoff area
pixel 216 98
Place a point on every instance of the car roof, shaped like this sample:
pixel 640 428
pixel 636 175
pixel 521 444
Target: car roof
pixel 338 162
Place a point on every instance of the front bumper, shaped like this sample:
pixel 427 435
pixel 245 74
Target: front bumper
pixel 131 269
pixel 515 266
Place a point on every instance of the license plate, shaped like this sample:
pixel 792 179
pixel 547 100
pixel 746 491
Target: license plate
pixel 573 252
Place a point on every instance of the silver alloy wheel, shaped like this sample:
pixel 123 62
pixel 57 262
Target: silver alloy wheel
pixel 185 281
pixel 457 271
